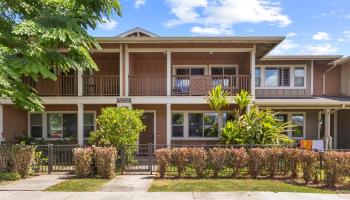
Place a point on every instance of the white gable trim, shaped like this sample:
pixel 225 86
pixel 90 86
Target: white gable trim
pixel 135 30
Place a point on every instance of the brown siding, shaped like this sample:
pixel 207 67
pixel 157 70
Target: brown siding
pixel 15 123
pixel 160 120
pixel 184 45
pixel 108 63
pixel 333 80
pixel 287 92
pixel 345 79
pixel 343 129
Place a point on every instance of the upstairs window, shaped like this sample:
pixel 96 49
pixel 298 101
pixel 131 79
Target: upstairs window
pixel 299 77
pixel 257 77
pixel 277 77
pixel 223 76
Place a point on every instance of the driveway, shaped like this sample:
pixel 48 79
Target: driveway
pixel 37 195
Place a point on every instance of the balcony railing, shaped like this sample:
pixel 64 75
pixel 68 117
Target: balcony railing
pixel 101 85
pixel 65 85
pixel 143 85
pixel 200 85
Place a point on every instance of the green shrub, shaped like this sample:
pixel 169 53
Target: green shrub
pixel 217 159
pixel 256 160
pixel 9 176
pixel 163 157
pixel 236 159
pixel 105 159
pixel 199 159
pixel 23 159
pixel 83 160
pixel 180 159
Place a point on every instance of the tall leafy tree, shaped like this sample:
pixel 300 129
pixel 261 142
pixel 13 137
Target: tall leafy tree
pixel 33 35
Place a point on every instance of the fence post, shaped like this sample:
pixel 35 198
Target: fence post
pixel 150 157
pixel 122 159
pixel 50 158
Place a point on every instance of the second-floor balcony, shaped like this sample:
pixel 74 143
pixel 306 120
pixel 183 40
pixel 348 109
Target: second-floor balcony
pixel 101 85
pixel 200 85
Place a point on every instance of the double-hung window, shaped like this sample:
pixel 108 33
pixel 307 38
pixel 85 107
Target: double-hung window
pixel 280 77
pixel 36 125
pixel 182 82
pixel 296 131
pixel 61 125
pixel 89 124
pixel 299 77
pixel 223 76
pixel 257 77
pixel 177 124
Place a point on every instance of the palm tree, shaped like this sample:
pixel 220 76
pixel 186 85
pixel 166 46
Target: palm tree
pixel 217 99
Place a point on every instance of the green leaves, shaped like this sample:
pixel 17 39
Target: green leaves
pixel 217 98
pixel 33 34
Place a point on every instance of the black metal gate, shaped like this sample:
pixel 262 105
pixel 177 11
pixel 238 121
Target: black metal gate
pixel 137 158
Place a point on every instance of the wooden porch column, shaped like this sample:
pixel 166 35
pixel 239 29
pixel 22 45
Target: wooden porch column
pixel 80 124
pixel 168 124
pixel 80 83
pixel 126 70
pixel 1 123
pixel 252 73
pixel 327 135
pixel 168 73
pixel 120 83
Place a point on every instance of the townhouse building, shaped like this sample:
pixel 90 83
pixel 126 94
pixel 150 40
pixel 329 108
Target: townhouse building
pixel 168 77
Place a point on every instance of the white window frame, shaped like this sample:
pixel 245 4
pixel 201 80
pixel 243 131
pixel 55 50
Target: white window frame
pixel 44 123
pixel 223 66
pixel 289 119
pixel 205 67
pixel 291 76
pixel 183 124
pixel 186 126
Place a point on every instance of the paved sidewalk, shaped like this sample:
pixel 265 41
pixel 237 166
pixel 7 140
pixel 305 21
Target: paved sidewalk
pixel 129 183
pixel 37 195
pixel 35 183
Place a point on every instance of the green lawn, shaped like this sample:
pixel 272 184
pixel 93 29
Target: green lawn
pixel 225 185
pixel 79 185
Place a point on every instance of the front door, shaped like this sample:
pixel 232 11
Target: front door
pixel 147 136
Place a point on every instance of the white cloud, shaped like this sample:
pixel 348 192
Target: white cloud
pixel 211 31
pixel 347 17
pixel 321 36
pixel 226 13
pixel 291 34
pixel 108 24
pixel 320 49
pixel 347 34
pixel 284 47
pixel 340 39
pixel 139 3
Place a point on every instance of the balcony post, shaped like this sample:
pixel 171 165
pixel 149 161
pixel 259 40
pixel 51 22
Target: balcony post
pixel 168 124
pixel 80 124
pixel 80 83
pixel 252 72
pixel 327 135
pixel 168 72
pixel 126 70
pixel 1 123
pixel 120 83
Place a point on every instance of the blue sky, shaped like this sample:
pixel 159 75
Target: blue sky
pixel 311 26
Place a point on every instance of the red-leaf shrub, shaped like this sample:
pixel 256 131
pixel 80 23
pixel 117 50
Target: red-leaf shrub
pixel 105 159
pixel 180 158
pixel 83 159
pixel 272 158
pixel 163 157
pixel 237 159
pixel 309 162
pixel 336 165
pixel 291 159
pixel 256 160
pixel 198 158
pixel 217 159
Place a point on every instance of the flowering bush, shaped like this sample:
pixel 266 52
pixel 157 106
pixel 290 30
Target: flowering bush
pixel 257 157
pixel 217 159
pixel 163 158
pixel 180 158
pixel 236 159
pixel 308 164
pixel 198 158
pixel 105 159
pixel 336 166
pixel 83 161
pixel 272 158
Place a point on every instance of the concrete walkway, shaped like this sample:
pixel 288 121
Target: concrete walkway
pixel 129 183
pixel 37 195
pixel 35 183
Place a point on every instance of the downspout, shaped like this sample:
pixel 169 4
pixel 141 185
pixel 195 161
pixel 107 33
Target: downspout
pixel 324 78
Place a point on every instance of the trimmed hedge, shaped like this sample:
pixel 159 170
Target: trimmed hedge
pixel 92 161
pixel 9 176
pixel 257 162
